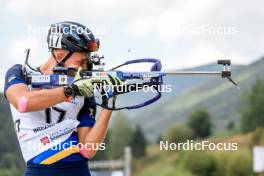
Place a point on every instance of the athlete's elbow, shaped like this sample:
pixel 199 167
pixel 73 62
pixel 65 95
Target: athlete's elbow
pixel 91 154
pixel 22 104
pixel 88 153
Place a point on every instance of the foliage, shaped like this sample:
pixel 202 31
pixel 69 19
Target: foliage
pixel 138 143
pixel 120 136
pixel 199 163
pixel 165 171
pixel 230 126
pixel 257 137
pixel 199 121
pixel 178 133
pixel 10 172
pixel 252 113
pixel 159 138
pixel 239 164
pixel 11 160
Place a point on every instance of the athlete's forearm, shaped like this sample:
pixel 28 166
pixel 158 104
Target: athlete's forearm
pixel 42 99
pixel 98 132
pixel 25 101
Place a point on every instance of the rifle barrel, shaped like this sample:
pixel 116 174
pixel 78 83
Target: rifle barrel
pixel 198 73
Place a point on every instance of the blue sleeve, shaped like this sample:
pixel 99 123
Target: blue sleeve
pixel 14 76
pixel 87 114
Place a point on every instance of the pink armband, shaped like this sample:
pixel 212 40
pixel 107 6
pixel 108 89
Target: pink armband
pixel 22 104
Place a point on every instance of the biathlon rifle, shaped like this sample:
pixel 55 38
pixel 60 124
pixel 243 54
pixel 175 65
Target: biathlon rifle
pixel 64 76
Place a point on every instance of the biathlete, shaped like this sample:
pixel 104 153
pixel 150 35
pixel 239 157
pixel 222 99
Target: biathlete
pixel 54 125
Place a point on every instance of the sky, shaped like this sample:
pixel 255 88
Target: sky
pixel 181 33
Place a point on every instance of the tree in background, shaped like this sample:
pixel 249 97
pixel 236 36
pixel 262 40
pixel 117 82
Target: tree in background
pixel 120 135
pixel 230 126
pixel 178 133
pixel 159 138
pixel 199 121
pixel 138 143
pixel 252 114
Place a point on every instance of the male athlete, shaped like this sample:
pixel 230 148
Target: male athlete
pixel 51 124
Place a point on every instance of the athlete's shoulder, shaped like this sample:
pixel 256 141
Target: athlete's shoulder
pixel 15 68
pixel 14 75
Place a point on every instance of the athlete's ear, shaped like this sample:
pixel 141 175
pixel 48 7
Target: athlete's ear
pixel 60 54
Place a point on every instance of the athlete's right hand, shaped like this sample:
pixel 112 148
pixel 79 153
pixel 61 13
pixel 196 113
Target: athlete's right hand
pixel 85 86
pixel 82 86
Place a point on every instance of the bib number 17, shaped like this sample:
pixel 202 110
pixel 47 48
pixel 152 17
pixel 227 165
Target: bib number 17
pixel 61 112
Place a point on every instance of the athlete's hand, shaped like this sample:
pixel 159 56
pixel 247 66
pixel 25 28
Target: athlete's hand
pixel 85 86
pixel 82 86
pixel 112 85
